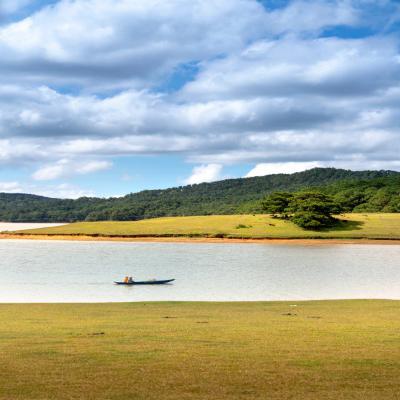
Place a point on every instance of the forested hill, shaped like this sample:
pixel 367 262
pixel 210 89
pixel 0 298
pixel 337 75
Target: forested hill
pixel 223 197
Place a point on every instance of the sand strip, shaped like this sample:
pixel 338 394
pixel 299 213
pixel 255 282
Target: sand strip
pixel 184 239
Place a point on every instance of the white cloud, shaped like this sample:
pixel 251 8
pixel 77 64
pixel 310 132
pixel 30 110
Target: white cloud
pixel 353 163
pixel 129 42
pixel 50 172
pixel 140 43
pixel 204 173
pixel 10 187
pixel 288 99
pixel 17 152
pixel 281 168
pixel 265 88
pixel 65 168
pixel 62 191
pixel 92 166
pixel 292 67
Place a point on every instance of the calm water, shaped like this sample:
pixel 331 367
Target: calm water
pixel 51 271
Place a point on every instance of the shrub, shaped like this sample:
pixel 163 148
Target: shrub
pixel 241 226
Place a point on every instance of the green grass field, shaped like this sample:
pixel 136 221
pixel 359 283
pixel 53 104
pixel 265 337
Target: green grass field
pixel 373 226
pixel 274 350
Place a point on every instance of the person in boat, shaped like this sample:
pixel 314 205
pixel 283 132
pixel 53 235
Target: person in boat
pixel 126 279
pixel 130 280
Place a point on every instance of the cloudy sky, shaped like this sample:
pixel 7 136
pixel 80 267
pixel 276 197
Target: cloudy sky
pixel 107 97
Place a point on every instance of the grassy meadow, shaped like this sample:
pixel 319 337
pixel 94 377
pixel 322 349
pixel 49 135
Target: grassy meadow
pixel 354 226
pixel 273 350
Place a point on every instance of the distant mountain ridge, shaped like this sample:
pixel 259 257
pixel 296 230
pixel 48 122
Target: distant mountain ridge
pixel 228 196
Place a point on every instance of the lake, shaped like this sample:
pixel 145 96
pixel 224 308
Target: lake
pixel 62 271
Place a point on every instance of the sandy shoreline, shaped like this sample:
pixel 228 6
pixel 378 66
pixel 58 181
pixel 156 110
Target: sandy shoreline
pixel 183 239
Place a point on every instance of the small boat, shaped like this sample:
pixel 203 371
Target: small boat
pixel 151 282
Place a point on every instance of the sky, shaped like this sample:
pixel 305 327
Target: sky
pixel 108 97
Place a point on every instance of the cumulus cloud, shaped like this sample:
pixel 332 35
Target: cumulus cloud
pixel 332 67
pixel 129 42
pixel 132 44
pixel 92 79
pixel 281 100
pixel 229 109
pixel 204 173
pixel 281 168
pixel 65 168
pixel 10 187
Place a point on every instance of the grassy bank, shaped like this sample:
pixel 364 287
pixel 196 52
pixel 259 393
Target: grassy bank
pixel 314 350
pixel 354 226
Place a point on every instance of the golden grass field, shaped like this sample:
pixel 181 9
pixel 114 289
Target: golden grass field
pixel 145 351
pixel 371 226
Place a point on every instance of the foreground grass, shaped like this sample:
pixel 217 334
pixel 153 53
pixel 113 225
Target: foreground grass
pixel 372 226
pixel 314 350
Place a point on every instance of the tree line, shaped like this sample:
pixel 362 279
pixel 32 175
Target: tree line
pixel 354 191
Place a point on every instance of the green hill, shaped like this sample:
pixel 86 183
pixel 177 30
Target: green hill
pixel 229 196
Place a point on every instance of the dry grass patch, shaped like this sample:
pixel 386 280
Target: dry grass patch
pixel 315 350
pixel 354 226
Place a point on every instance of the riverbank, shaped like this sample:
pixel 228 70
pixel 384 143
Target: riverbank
pixel 186 239
pixel 274 350
pixel 353 228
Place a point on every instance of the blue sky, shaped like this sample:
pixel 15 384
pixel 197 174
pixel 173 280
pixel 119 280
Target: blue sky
pixel 107 97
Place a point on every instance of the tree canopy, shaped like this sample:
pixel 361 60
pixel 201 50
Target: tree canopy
pixel 277 203
pixel 307 209
pixel 358 191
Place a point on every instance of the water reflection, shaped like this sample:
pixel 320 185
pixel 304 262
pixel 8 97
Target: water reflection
pixel 51 271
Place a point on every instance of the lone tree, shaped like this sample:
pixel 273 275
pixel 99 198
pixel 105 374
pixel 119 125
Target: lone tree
pixel 309 210
pixel 313 210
